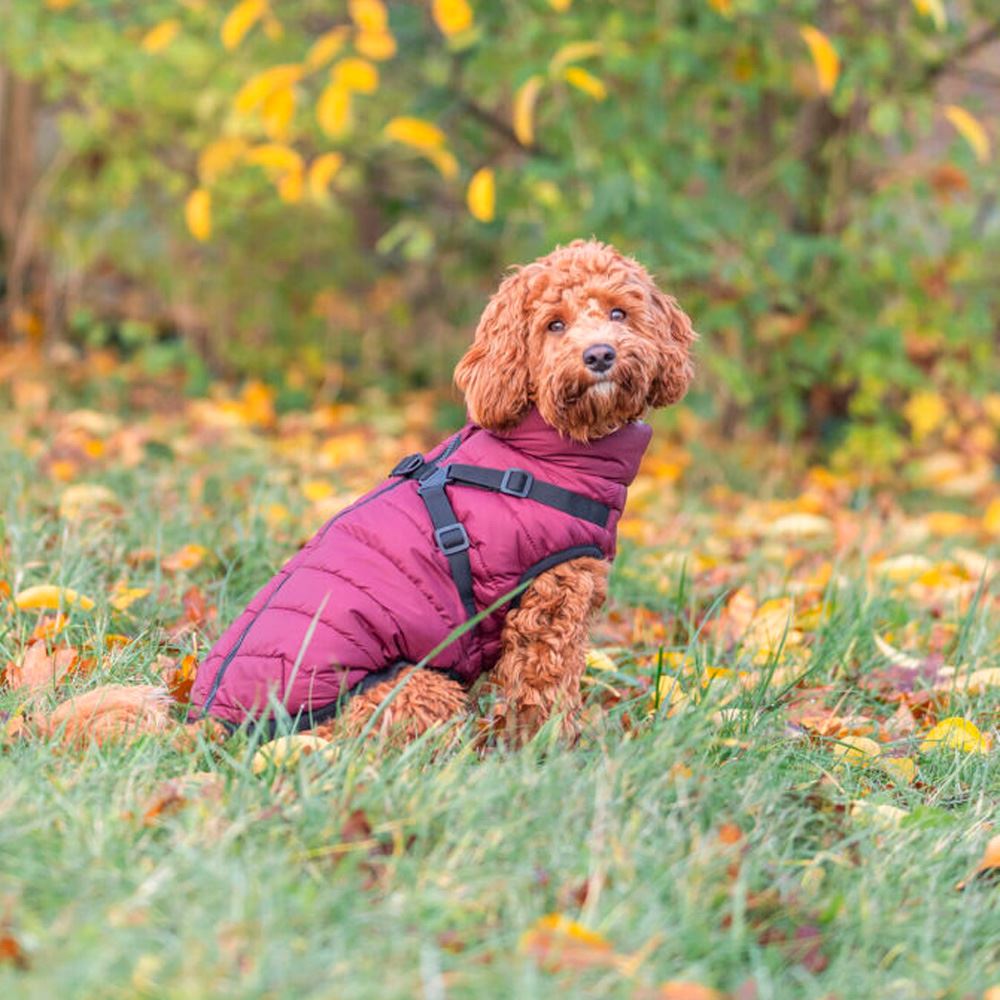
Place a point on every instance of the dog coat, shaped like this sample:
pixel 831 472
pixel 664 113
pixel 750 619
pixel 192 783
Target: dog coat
pixel 387 579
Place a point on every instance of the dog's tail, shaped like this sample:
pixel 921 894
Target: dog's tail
pixel 110 712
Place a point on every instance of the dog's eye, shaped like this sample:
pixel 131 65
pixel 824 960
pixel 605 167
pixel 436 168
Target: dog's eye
pixel 617 314
pixel 557 326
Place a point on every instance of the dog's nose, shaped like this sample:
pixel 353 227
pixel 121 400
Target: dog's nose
pixel 599 357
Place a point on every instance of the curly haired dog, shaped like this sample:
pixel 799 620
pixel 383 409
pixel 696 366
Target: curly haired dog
pixel 570 353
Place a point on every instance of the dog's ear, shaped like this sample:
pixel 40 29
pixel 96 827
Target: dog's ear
pixel 493 374
pixel 675 336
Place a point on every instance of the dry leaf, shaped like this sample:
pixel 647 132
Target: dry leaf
pixel 187 557
pixel 989 864
pixel 40 669
pixel 557 943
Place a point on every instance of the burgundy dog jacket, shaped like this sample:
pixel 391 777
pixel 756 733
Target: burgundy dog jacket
pixel 387 579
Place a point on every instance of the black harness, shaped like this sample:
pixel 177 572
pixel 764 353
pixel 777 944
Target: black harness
pixel 450 535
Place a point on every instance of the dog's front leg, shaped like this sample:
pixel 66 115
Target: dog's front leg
pixel 544 644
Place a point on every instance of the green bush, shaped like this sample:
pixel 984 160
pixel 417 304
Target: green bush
pixel 833 242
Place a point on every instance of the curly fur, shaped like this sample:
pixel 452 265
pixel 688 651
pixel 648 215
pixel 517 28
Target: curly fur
pixel 515 362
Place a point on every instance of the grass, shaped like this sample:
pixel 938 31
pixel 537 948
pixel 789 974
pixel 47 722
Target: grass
pixel 717 841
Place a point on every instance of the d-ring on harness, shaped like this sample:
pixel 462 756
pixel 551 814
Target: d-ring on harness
pixel 450 534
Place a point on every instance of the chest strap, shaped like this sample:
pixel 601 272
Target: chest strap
pixel 450 534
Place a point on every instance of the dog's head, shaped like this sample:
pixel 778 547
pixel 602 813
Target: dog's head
pixel 585 335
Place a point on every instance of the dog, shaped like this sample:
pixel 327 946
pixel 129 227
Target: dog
pixel 510 525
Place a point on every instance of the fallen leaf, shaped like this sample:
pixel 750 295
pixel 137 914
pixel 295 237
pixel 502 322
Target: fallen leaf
pixel 40 669
pixel 989 864
pixel 556 942
pixel 955 733
pixel 51 598
pixel 176 793
pixel 685 989
pixel 187 557
pixel 285 751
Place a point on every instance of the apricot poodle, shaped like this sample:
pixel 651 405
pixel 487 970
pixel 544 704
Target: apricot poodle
pixel 510 522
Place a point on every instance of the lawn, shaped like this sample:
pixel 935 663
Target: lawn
pixel 764 803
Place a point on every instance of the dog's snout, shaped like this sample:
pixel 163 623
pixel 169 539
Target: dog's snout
pixel 599 357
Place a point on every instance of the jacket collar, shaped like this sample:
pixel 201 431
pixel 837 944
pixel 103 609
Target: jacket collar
pixel 615 457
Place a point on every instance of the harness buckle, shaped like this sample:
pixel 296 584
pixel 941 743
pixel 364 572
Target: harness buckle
pixel 408 465
pixel 515 487
pixel 438 479
pixel 452 538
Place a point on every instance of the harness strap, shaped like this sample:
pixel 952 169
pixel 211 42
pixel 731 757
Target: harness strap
pixel 519 483
pixel 450 534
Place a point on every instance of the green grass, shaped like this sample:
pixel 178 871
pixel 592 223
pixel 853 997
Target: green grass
pixel 251 896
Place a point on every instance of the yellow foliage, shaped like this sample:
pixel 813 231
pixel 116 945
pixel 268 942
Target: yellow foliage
pixel 416 132
pixel 275 158
pixel 333 110
pixel 369 15
pixel 377 45
pixel 277 113
pixel 955 733
pixel 572 52
pixel 452 16
pixel 158 38
pixel 587 82
pixel 481 195
pixel 560 5
pixel 860 750
pixel 445 161
pixel 723 7
pixel 326 47
pixel 934 9
pixel 291 186
pixel 356 75
pixel 218 157
pixel 198 214
pixel 970 129
pixel 50 598
pixel 991 517
pixel 824 57
pixel 524 110
pixel 240 20
pixel 925 412
pixel 321 172
pixel 260 86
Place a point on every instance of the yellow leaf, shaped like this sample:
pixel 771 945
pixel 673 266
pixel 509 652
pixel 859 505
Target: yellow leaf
pixel 560 5
pixel 369 15
pixel 240 20
pixel 452 16
pixel 321 172
pixel 187 557
pixel 970 129
pixel 377 45
pixel 259 87
pixel 59 4
pixel 326 47
pixel 597 659
pixel 273 27
pixel 934 9
pixel 481 195
pixel 198 214
pixel 573 52
pixel 354 74
pixel 857 750
pixel 333 110
pixel 902 770
pixel 291 186
pixel 524 110
pixel 587 82
pixel 85 499
pixel 415 132
pixel 123 597
pixel 955 733
pixel 275 158
pixel 51 598
pixel 991 517
pixel 925 412
pixel 158 38
pixel 824 57
pixel 218 157
pixel 444 160
pixel 723 7
pixel 560 943
pixel 286 751
pixel 315 490
pixel 277 113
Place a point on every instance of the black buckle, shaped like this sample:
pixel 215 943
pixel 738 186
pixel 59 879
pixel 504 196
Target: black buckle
pixel 457 544
pixel 508 486
pixel 407 466
pixel 438 479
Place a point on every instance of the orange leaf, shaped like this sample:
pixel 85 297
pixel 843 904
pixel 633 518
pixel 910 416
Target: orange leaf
pixel 39 669
pixel 824 57
pixel 187 557
pixel 557 942
pixel 989 863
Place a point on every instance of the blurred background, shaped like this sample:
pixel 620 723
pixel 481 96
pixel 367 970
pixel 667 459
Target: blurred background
pixel 315 197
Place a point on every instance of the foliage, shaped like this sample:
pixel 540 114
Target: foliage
pixel 789 758
pixel 334 188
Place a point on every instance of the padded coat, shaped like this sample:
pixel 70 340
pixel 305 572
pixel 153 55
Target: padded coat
pixel 371 590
